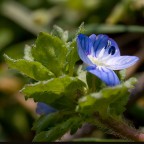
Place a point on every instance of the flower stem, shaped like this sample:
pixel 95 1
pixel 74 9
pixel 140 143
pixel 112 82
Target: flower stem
pixel 122 129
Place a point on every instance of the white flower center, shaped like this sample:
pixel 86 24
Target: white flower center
pixel 99 61
pixel 95 61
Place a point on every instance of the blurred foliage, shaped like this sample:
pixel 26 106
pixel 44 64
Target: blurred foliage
pixel 22 20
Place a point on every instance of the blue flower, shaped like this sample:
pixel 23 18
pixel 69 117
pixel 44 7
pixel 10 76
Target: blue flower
pixel 43 108
pixel 101 54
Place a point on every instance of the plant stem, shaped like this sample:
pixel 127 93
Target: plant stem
pixel 122 129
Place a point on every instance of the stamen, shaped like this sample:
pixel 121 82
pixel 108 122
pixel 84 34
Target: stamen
pixel 108 44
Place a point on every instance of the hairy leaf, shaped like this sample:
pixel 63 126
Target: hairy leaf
pixel 109 101
pixel 27 53
pixel 32 69
pixel 94 83
pixel 72 58
pixel 58 131
pixel 51 52
pixel 58 31
pixel 62 89
pixel 45 122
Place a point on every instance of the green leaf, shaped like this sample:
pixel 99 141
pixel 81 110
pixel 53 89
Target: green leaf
pixel 56 89
pixel 72 58
pixel 58 31
pixel 51 52
pixel 130 83
pixel 81 73
pixel 109 101
pixel 27 53
pixel 32 69
pixel 117 101
pixel 45 122
pixel 121 74
pixel 93 82
pixel 58 86
pixel 75 89
pixel 63 103
pixel 117 107
pixel 58 131
pixel 81 29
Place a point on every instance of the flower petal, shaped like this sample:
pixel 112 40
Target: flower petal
pixel 111 49
pixel 106 75
pixel 85 47
pixel 100 43
pixel 43 108
pixel 93 38
pixel 121 62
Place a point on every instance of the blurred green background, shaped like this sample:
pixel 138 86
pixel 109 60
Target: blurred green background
pixel 20 23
